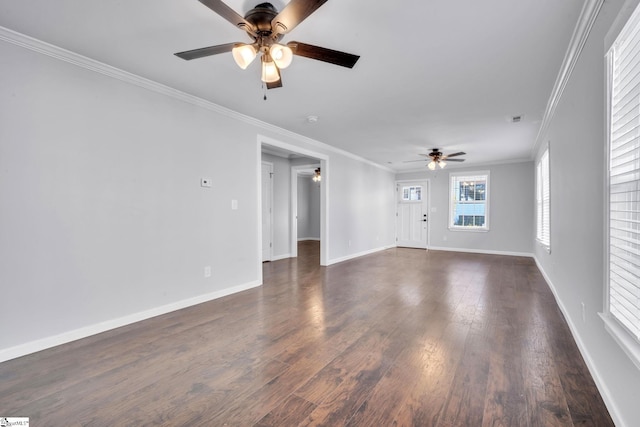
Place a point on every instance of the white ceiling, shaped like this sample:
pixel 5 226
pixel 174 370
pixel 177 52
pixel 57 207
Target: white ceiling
pixel 440 73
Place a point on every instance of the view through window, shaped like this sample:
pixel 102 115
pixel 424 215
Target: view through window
pixel 469 196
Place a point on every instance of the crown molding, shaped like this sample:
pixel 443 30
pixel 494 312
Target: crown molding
pixel 587 18
pixel 65 55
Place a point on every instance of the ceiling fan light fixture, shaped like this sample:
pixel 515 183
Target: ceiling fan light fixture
pixel 316 176
pixel 432 165
pixel 442 164
pixel 244 54
pixel 281 55
pixel 270 72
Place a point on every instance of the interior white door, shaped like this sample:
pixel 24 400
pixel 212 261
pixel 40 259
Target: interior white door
pixel 267 211
pixel 411 214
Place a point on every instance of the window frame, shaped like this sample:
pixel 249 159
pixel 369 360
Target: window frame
pixel 543 201
pixel 628 341
pixel 417 190
pixel 453 176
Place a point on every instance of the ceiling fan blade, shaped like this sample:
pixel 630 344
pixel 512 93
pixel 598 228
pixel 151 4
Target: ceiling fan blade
pixel 323 54
pixel 454 160
pixel 460 153
pixel 294 13
pixel 205 51
pixel 229 14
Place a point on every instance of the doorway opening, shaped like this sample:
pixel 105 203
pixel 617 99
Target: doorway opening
pixel 288 162
pixel 305 204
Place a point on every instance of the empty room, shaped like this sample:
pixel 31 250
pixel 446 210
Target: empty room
pixel 337 213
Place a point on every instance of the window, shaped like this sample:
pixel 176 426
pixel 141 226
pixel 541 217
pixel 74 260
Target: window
pixel 468 209
pixel 413 193
pixel 543 229
pixel 622 306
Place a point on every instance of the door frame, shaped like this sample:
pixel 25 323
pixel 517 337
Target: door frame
pixel 295 171
pixel 270 184
pixel 324 197
pixel 427 183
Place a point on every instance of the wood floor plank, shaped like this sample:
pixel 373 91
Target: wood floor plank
pixel 505 403
pixel 399 337
pixel 544 393
pixel 465 402
pixel 290 413
pixel 393 389
pixel 434 372
pixel 255 403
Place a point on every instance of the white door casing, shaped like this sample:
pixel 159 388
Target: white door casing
pixel 412 214
pixel 267 210
pixel 324 198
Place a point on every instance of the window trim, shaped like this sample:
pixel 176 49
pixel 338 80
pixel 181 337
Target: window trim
pixel 623 337
pixel 410 200
pixel 544 151
pixel 467 228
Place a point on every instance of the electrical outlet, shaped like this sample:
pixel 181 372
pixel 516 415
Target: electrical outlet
pixel 207 271
pixel 234 204
pixel 584 313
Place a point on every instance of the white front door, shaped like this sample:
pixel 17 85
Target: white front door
pixel 411 214
pixel 267 189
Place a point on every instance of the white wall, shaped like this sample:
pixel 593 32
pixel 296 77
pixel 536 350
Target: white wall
pixel 575 266
pixel 103 220
pixel 308 208
pixel 303 207
pixel 511 210
pixel 362 208
pixel 314 210
pixel 102 213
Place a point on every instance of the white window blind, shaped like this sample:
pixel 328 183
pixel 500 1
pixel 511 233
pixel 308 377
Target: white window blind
pixel 543 223
pixel 624 179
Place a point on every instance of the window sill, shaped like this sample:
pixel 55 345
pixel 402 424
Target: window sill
pixel 473 230
pixel 630 346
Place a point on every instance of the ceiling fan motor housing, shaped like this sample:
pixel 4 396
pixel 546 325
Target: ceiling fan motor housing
pixel 261 17
pixel 435 154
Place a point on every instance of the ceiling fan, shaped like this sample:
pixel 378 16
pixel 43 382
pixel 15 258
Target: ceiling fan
pixel 266 27
pixel 437 158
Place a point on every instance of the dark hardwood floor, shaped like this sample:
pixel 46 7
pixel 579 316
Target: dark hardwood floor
pixel 402 337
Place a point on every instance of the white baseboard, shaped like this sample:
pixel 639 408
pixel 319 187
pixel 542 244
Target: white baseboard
pixel 359 254
pixel 279 257
pixel 302 239
pixel 76 334
pixel 595 373
pixel 482 251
